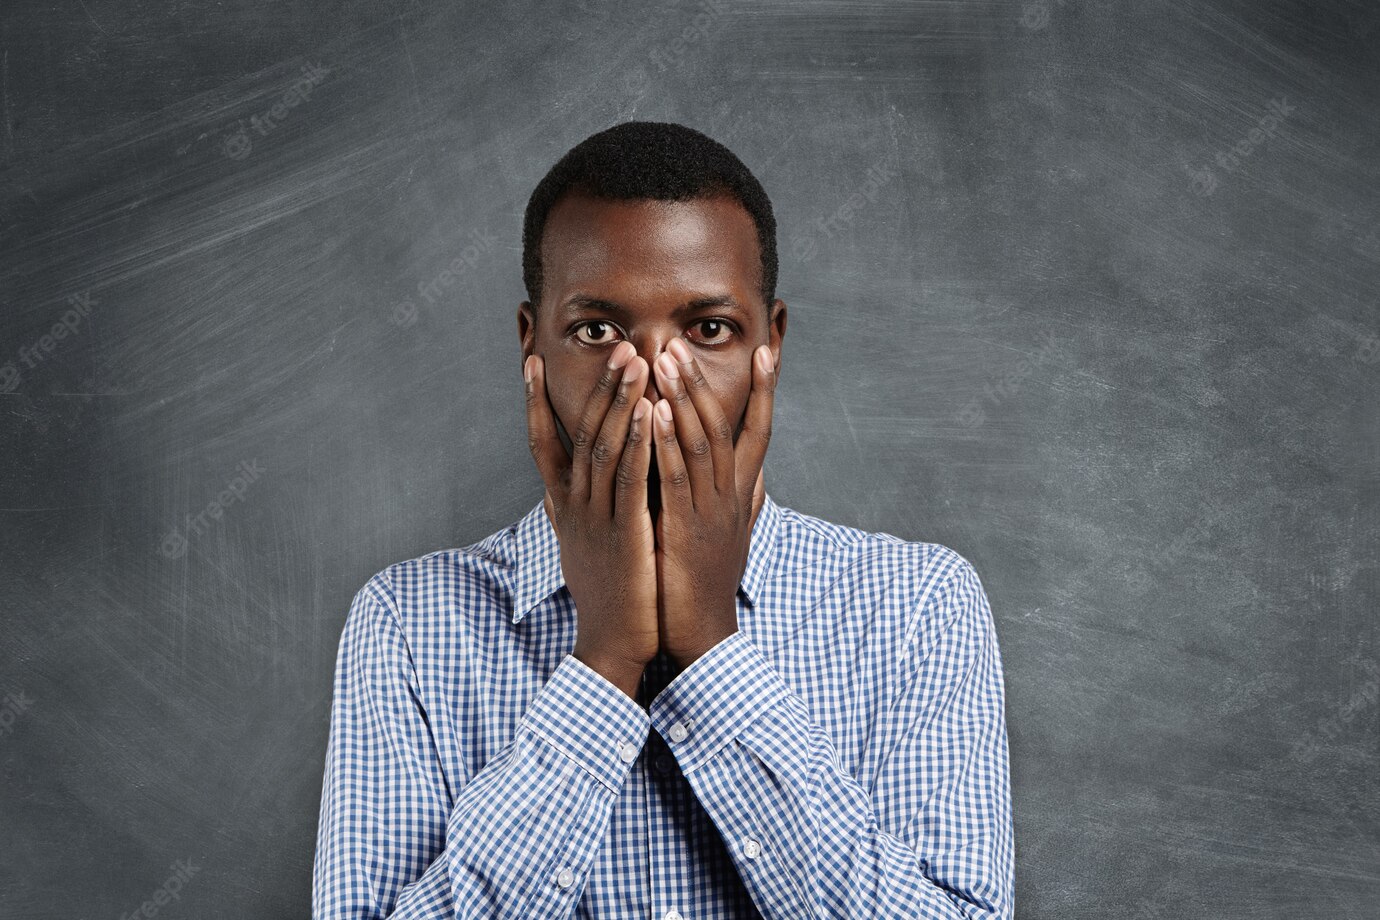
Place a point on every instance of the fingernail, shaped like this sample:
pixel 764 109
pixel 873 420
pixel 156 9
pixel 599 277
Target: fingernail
pixel 639 410
pixel 663 409
pixel 679 350
pixel 620 356
pixel 527 369
pixel 764 359
pixel 668 366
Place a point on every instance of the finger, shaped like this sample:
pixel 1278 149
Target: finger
pixel 713 423
pixel 675 482
pixel 751 450
pixel 547 450
pixel 694 443
pixel 613 436
pixel 591 420
pixel 631 496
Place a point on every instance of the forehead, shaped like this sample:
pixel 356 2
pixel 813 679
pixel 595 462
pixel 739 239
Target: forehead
pixel 642 247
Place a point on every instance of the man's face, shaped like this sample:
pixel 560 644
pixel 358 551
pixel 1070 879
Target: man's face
pixel 647 263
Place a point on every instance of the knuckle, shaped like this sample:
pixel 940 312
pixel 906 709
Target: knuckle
pixel 723 431
pixel 606 380
pixel 601 454
pixel 679 477
pixel 699 447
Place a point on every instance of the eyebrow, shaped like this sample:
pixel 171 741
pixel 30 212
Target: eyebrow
pixel 577 302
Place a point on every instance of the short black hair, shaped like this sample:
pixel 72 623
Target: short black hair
pixel 658 160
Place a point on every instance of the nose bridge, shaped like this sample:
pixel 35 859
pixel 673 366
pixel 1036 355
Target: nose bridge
pixel 649 345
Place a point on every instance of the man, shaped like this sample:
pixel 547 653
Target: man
pixel 660 693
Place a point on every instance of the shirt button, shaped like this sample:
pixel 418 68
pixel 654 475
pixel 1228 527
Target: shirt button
pixel 628 751
pixel 679 731
pixel 751 849
pixel 565 878
pixel 673 915
pixel 663 764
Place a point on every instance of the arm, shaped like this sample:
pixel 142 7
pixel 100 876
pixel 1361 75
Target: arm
pixel 516 840
pixel 931 838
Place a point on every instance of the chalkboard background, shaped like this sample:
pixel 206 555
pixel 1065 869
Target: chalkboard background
pixel 1104 320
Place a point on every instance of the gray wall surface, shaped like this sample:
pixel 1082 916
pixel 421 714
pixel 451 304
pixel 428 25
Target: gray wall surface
pixel 1103 319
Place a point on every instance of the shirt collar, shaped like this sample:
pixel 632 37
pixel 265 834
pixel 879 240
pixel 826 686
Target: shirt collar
pixel 539 557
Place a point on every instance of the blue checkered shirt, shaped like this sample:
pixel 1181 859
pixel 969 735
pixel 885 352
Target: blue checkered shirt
pixel 844 754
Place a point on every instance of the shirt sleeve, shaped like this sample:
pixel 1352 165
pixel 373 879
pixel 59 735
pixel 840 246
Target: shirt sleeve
pixel 518 839
pixel 930 837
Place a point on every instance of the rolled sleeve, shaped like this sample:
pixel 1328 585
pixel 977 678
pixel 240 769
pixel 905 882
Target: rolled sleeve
pixel 722 692
pixel 588 719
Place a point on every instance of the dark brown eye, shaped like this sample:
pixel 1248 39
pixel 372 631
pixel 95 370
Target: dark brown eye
pixel 715 329
pixel 601 331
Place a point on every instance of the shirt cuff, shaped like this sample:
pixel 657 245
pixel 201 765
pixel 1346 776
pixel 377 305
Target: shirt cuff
pixel 584 716
pixel 709 703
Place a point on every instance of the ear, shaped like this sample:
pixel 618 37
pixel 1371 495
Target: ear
pixel 527 330
pixel 776 330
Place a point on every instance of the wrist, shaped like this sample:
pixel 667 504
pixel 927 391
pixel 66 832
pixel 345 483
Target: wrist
pixel 626 676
